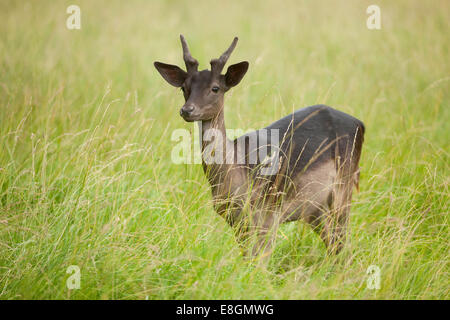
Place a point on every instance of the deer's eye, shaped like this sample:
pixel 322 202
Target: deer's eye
pixel 182 89
pixel 215 89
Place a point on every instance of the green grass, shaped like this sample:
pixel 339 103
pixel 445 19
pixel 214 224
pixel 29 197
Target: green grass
pixel 85 133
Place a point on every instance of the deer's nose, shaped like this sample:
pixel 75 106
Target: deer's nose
pixel 186 110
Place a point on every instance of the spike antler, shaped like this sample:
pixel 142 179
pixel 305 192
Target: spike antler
pixel 191 63
pixel 218 64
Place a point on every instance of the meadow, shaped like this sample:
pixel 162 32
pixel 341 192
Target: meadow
pixel 86 176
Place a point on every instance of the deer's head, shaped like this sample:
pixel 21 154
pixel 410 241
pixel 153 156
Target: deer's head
pixel 203 90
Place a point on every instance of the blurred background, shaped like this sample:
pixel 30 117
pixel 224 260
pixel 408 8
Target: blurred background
pixel 85 132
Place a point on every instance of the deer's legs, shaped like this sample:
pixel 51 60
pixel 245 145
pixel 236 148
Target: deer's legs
pixel 263 242
pixel 336 219
pixel 318 222
pixel 339 212
pixel 330 231
pixel 331 223
pixel 257 235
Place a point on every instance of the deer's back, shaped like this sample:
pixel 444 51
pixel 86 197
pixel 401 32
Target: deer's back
pixel 311 137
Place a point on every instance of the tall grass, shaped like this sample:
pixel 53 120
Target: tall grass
pixel 85 133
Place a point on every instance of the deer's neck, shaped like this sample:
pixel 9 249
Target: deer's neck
pixel 214 146
pixel 226 178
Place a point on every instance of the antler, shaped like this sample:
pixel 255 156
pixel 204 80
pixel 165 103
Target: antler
pixel 191 63
pixel 218 64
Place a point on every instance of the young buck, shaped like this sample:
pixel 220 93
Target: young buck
pixel 316 152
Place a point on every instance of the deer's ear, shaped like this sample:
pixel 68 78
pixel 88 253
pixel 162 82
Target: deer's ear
pixel 172 74
pixel 235 73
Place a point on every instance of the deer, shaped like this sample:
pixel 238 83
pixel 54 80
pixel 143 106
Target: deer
pixel 317 151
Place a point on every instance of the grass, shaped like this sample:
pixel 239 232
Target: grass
pixel 85 135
